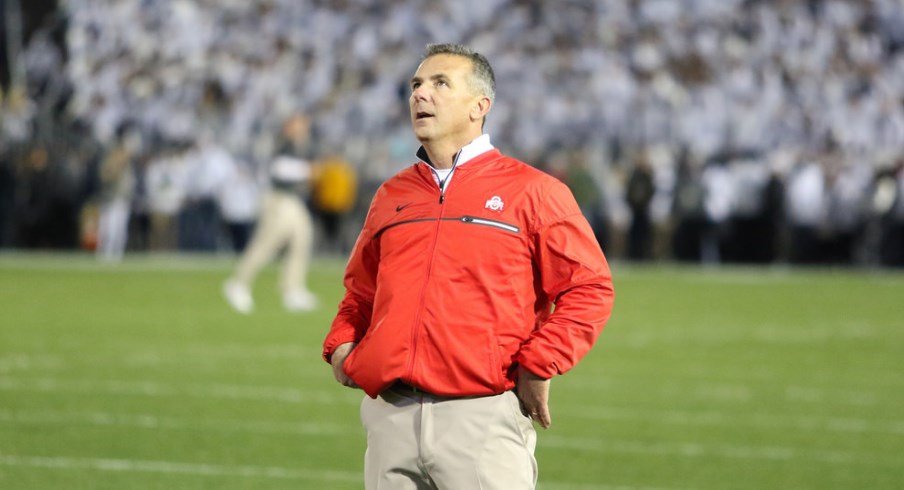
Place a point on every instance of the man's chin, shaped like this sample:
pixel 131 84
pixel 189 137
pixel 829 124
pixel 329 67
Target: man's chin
pixel 422 136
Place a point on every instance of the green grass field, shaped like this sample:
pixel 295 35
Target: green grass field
pixel 139 376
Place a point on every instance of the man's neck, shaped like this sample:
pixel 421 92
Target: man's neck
pixel 442 153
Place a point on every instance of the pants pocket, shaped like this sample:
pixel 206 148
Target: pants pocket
pixel 522 422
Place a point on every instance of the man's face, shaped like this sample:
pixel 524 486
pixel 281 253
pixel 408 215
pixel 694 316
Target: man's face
pixel 442 99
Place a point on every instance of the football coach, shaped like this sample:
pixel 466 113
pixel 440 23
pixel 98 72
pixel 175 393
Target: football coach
pixel 447 320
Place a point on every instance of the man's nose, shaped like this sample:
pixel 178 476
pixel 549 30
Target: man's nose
pixel 420 93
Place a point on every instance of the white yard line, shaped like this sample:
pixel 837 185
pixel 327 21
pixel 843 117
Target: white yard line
pixel 202 390
pixel 14 361
pixel 743 387
pixel 735 392
pixel 180 354
pixel 188 352
pixel 712 418
pixel 702 372
pixel 156 422
pixel 766 333
pixel 696 450
pixel 173 467
pixel 556 485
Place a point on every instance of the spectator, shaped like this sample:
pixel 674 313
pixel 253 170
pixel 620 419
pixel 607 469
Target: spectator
pixel 117 186
pixel 166 181
pixel 756 211
pixel 689 211
pixel 335 188
pixel 589 196
pixel 238 202
pixel 34 199
pixel 640 191
pixel 7 196
pixel 890 207
pixel 806 213
pixel 208 165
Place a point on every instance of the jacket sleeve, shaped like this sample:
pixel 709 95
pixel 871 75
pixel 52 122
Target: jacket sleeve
pixel 573 274
pixel 356 307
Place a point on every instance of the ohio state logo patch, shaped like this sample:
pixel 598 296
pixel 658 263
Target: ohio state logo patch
pixel 495 204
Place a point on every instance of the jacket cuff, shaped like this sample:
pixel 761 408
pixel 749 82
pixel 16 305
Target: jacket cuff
pixel 335 341
pixel 539 367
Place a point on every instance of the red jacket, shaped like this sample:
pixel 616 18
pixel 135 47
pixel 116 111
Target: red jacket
pixel 451 294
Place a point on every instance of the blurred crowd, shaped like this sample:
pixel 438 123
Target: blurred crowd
pixel 700 130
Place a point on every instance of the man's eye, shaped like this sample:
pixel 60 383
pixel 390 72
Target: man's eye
pixel 442 83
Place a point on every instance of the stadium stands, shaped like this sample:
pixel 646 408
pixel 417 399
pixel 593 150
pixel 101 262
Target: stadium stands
pixel 770 105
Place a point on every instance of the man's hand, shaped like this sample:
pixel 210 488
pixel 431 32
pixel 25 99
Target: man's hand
pixel 338 359
pixel 533 391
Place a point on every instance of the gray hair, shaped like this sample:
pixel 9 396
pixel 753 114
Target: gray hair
pixel 483 79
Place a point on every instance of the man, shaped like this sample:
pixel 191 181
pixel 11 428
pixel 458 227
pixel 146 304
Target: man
pixel 284 223
pixel 448 297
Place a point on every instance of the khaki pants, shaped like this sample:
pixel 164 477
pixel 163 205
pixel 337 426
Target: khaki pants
pixel 284 222
pixel 425 442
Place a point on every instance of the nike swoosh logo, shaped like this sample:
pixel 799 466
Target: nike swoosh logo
pixel 402 206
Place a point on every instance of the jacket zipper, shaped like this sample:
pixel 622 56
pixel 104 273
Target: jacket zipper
pixel 405 222
pixel 464 219
pixel 489 222
pixel 443 182
pixel 417 318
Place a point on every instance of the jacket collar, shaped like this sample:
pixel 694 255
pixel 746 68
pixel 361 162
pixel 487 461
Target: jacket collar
pixel 477 147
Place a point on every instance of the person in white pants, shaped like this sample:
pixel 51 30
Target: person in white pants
pixel 284 222
pixel 118 183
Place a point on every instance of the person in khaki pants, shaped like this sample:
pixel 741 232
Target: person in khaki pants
pixel 447 322
pixel 284 223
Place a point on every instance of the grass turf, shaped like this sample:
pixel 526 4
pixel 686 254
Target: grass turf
pixel 139 376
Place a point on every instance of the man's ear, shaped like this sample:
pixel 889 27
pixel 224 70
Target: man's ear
pixel 480 109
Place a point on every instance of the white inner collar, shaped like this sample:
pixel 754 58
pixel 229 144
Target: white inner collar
pixel 475 148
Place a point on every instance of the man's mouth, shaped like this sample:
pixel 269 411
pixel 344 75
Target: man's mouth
pixel 422 115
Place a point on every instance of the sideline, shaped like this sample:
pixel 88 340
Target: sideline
pixel 141 262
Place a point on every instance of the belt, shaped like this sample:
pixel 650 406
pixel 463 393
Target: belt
pixel 403 388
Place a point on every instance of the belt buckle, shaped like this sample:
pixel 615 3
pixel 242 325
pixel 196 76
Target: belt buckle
pixel 407 388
